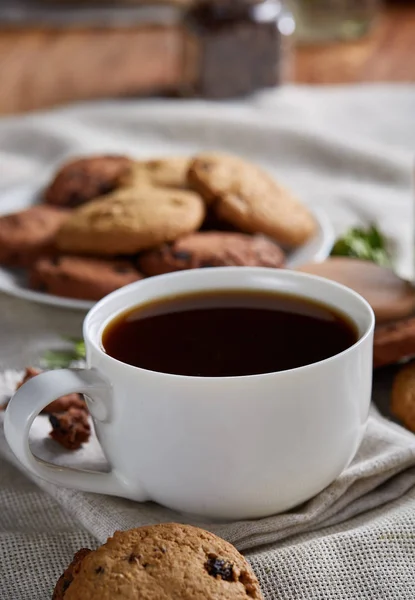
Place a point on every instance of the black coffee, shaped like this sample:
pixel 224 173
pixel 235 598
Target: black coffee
pixel 220 334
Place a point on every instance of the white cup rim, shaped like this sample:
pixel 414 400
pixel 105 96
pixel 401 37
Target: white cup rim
pixel 95 341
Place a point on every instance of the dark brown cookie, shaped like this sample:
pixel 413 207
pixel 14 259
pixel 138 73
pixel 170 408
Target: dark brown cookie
pixel 164 562
pixel 403 396
pixel 71 428
pixel 60 404
pixel 213 223
pixel 393 342
pixel 81 278
pixel 26 235
pixel 67 577
pixel 212 249
pixel 68 416
pixel 83 179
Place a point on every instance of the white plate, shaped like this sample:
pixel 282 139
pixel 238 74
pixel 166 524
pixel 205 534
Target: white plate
pixel 13 281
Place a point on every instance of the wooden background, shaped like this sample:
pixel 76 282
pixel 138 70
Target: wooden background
pixel 387 55
pixel 40 68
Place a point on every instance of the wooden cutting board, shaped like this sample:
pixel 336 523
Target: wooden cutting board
pixel 391 297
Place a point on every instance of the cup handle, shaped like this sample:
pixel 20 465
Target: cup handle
pixel 29 401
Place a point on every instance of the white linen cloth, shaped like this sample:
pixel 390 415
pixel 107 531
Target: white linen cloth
pixel 349 150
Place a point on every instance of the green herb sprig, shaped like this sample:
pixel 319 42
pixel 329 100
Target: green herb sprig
pixel 365 244
pixel 61 359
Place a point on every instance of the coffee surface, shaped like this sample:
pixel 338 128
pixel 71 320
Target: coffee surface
pixel 227 333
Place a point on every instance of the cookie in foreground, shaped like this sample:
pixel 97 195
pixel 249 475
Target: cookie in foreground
pixel 160 562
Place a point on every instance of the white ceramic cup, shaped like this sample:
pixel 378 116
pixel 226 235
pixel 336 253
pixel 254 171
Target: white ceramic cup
pixel 224 448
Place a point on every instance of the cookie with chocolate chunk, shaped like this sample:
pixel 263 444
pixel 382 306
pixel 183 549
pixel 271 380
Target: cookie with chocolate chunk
pixel 70 428
pixel 131 220
pixel 79 277
pixel 83 179
pixel 28 234
pixel 250 199
pixel 167 561
pixel 212 249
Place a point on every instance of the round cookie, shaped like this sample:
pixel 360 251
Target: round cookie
pixel 163 562
pixel 390 296
pixel 67 577
pixel 248 198
pixel 170 172
pixel 81 278
pixel 131 220
pixel 212 249
pixel 84 179
pixel 26 235
pixel 403 396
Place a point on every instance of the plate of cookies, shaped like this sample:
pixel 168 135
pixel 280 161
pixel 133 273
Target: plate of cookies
pixel 103 222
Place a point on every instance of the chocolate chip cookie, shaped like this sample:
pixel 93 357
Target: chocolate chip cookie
pixel 162 562
pixel 70 428
pixel 83 179
pixel 26 235
pixel 168 172
pixel 212 249
pixel 81 277
pixel 68 416
pixel 403 396
pixel 250 199
pixel 67 577
pixel 131 220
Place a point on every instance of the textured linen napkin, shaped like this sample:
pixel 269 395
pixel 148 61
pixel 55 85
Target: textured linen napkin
pixel 349 151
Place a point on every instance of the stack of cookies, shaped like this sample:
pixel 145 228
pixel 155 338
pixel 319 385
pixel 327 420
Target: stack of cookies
pixel 106 221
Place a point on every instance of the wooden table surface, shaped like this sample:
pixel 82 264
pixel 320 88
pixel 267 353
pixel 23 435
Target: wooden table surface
pixel 388 54
pixel 41 68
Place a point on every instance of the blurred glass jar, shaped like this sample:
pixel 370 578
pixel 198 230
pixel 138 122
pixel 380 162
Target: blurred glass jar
pixel 329 20
pixel 234 47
